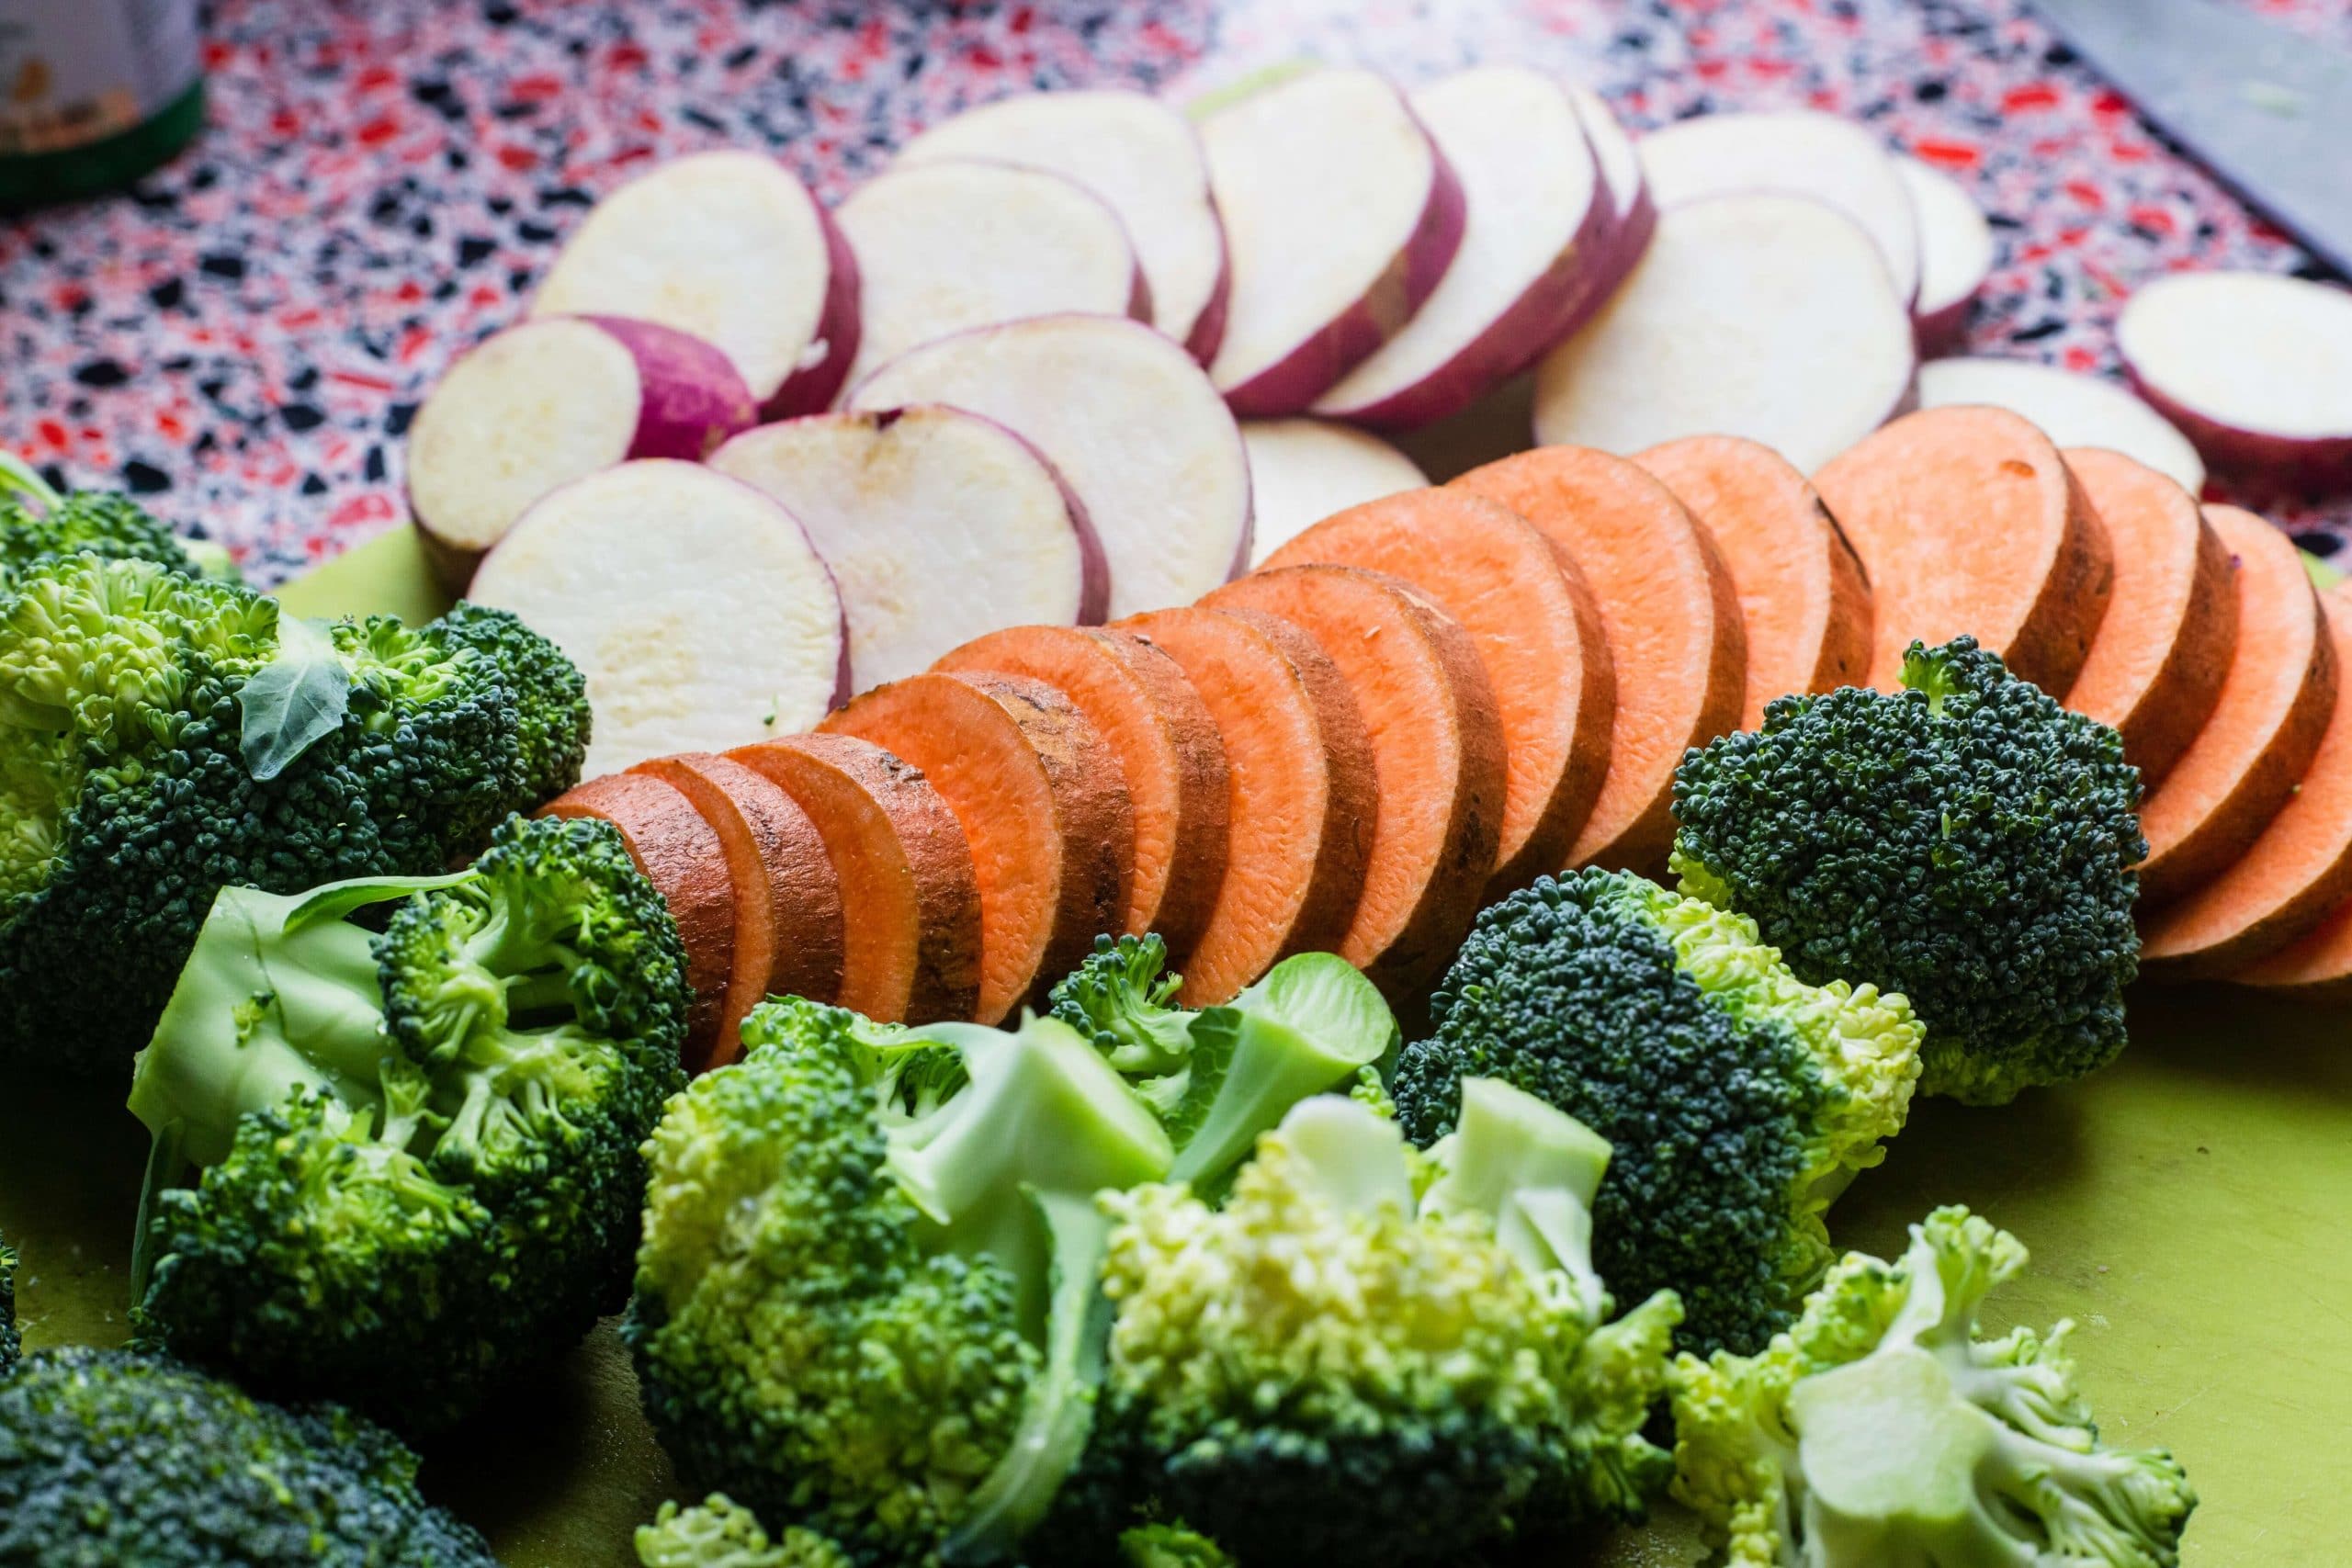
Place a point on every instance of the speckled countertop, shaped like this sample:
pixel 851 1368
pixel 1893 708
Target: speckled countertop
pixel 244 337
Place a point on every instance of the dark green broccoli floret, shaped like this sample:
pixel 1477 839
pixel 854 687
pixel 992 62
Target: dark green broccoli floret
pixel 1880 1430
pixel 420 1148
pixel 1966 841
pixel 108 1457
pixel 36 521
pixel 1365 1358
pixel 1740 1099
pixel 720 1533
pixel 1219 1076
pixel 161 737
pixel 11 1337
pixel 872 1318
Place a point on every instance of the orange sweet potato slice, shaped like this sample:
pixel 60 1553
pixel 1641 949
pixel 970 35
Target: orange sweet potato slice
pixel 1043 806
pixel 2156 666
pixel 910 906
pixel 1302 800
pixel 1802 596
pixel 1538 635
pixel 1137 698
pixel 1671 619
pixel 1968 522
pixel 681 855
pixel 1437 755
pixel 2275 706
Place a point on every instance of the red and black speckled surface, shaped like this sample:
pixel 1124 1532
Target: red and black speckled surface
pixel 244 337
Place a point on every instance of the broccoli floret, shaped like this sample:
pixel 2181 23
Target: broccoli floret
pixel 420 1150
pixel 107 1457
pixel 1170 1545
pixel 161 737
pixel 37 522
pixel 1368 1357
pixel 1966 841
pixel 1219 1076
pixel 1882 1430
pixel 11 1337
pixel 721 1533
pixel 1740 1100
pixel 871 1314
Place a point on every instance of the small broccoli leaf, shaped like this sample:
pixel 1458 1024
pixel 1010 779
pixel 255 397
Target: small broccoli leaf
pixel 296 700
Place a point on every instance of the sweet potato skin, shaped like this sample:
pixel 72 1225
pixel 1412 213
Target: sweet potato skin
pixel 911 928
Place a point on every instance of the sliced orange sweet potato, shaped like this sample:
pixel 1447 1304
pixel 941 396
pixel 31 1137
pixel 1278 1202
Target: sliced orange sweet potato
pixel 910 906
pixel 1137 698
pixel 787 900
pixel 1967 521
pixel 2298 871
pixel 1437 755
pixel 1802 596
pixel 1671 619
pixel 681 855
pixel 1043 806
pixel 2276 703
pixel 1303 798
pixel 2156 666
pixel 1538 634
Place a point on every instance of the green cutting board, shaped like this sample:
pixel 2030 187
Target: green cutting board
pixel 2191 1208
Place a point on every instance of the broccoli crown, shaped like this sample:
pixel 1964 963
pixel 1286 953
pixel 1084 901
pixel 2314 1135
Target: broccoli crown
pixel 1881 1428
pixel 1740 1098
pixel 37 522
pixel 161 737
pixel 1170 1545
pixel 1421 1338
pixel 1219 1076
pixel 11 1339
pixel 420 1148
pixel 870 1315
pixel 107 1457
pixel 1966 841
pixel 720 1533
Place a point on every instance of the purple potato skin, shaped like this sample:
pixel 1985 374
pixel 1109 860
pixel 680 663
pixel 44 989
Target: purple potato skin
pixel 690 398
pixel 812 389
pixel 2283 466
pixel 1314 367
pixel 1578 279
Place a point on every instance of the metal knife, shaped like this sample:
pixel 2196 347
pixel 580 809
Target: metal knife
pixel 2267 111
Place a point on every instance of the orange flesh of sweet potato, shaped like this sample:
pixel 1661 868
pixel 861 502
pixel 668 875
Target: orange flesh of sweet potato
pixel 911 908
pixel 2276 703
pixel 2298 871
pixel 1538 634
pixel 787 900
pixel 1044 810
pixel 1802 596
pixel 2156 666
pixel 1303 800
pixel 681 855
pixel 1437 754
pixel 1967 522
pixel 1670 615
pixel 1138 700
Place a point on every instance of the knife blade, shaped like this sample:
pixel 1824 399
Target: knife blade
pixel 2268 112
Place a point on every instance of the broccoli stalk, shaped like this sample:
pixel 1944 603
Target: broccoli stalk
pixel 1882 1430
pixel 1219 1076
pixel 418 1147
pixel 1966 841
pixel 1420 1335
pixel 1741 1101
pixel 111 1457
pixel 36 521
pixel 872 1313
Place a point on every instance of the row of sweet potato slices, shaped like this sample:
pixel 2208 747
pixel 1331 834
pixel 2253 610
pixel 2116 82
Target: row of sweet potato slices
pixel 1427 700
